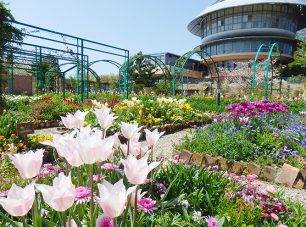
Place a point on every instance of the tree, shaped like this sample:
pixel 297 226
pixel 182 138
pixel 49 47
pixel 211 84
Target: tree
pixel 8 34
pixel 142 73
pixel 49 69
pixel 298 66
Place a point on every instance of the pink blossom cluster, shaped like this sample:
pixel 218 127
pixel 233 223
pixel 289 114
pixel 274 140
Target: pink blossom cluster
pixel 252 109
pixel 147 205
pixel 252 193
pixel 49 169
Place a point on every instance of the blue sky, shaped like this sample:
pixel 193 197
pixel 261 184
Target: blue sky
pixel 137 25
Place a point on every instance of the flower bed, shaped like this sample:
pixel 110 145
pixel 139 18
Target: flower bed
pixel 262 132
pixel 107 183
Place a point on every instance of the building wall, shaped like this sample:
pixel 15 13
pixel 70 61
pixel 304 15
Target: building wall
pixel 239 31
pixel 23 85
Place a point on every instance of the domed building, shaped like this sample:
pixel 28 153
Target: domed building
pixel 232 30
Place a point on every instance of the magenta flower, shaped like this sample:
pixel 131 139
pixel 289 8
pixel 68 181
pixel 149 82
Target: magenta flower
pixel 104 221
pixel 162 187
pixel 82 194
pixel 211 221
pixel 110 166
pixel 265 215
pixel 4 193
pixel 251 177
pixel 147 205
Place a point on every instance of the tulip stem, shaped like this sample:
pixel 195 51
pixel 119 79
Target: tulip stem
pixel 24 223
pixel 91 195
pixel 79 176
pixel 135 207
pixel 64 218
pixel 67 168
pixel 103 134
pixel 128 148
pixel 151 155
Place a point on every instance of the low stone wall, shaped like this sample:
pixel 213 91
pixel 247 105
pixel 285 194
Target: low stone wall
pixel 287 175
pixel 45 124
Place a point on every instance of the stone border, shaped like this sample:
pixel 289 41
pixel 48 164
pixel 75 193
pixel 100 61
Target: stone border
pixel 40 124
pixel 288 175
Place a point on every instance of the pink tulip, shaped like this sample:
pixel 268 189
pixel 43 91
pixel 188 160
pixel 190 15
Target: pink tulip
pixel 59 142
pixel 129 131
pixel 104 117
pixel 113 198
pixel 28 164
pixel 76 120
pixel 153 137
pixel 137 171
pixel 243 120
pixel 19 200
pixel 117 141
pixel 61 195
pixel 92 148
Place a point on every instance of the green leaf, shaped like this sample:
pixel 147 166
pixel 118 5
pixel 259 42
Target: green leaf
pixel 8 220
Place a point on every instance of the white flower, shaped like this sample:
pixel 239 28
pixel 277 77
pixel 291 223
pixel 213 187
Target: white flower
pixel 28 164
pixel 197 216
pixel 113 198
pixel 73 121
pixel 105 118
pixel 152 137
pixel 61 195
pixel 129 131
pixel 137 171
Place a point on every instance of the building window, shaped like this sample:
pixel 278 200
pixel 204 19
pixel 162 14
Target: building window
pixel 247 17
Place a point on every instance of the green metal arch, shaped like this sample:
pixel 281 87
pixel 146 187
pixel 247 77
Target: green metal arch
pixel 275 47
pixel 158 63
pixel 63 74
pixel 180 70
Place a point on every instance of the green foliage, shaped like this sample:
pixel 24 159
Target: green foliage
pixel 203 189
pixel 9 120
pixel 49 72
pixel 265 140
pixel 221 138
pixel 209 103
pixel 8 33
pixel 163 87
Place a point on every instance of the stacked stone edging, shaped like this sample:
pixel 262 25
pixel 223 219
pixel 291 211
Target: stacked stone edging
pixel 287 175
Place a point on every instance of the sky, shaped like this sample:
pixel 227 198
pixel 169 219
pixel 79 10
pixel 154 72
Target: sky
pixel 137 25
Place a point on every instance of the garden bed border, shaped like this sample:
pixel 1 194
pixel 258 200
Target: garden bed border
pixel 287 175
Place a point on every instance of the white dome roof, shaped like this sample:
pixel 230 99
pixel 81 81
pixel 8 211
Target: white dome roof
pixel 194 26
